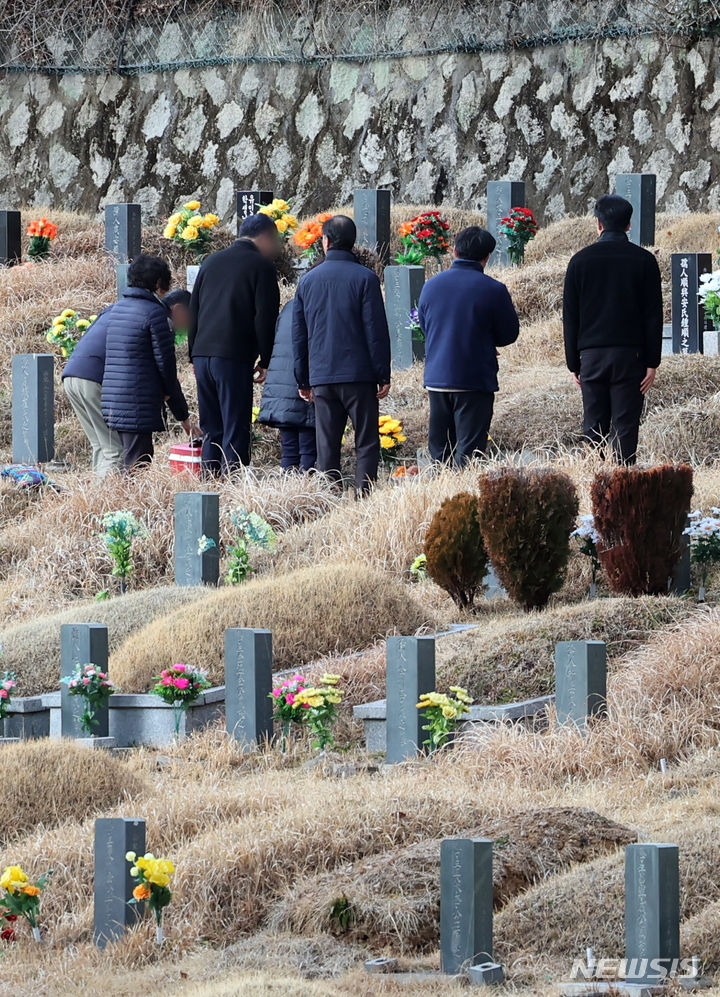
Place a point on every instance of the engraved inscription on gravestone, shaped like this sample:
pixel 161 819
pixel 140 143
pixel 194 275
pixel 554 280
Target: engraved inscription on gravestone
pixel 502 196
pixel 123 231
pixel 403 286
pixel 466 902
pixel 410 671
pixel 580 681
pixel 639 190
pixel 248 202
pixel 652 911
pixel 33 402
pixel 248 683
pixel 197 514
pixel 81 644
pixel 688 315
pixel 113 885
pixel 371 212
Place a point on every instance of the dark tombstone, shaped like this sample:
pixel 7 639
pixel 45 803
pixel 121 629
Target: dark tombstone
pixel 502 196
pixel 10 238
pixel 121 277
pixel 248 683
pixel 113 885
pixel 466 903
pixel 639 190
pixel 197 515
pixel 33 408
pixel 580 681
pixel 371 211
pixel 81 644
pixel 123 231
pixel 410 671
pixel 248 202
pixel 688 315
pixel 652 912
pixel 681 579
pixel 402 292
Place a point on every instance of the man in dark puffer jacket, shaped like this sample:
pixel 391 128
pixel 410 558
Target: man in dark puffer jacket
pixel 140 366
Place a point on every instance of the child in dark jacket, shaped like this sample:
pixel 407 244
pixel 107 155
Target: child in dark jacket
pixel 283 407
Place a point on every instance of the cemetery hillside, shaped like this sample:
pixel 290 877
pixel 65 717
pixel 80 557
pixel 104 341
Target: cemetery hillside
pixel 359 498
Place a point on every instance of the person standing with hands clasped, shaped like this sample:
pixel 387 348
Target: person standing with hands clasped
pixel 341 350
pixel 612 322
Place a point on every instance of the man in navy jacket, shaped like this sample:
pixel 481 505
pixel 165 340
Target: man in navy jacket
pixel 465 316
pixel 341 349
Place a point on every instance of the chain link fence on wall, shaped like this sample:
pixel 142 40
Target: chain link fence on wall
pixel 101 36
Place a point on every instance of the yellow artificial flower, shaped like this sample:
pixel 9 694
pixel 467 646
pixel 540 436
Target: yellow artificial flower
pixel 68 313
pixel 82 324
pixel 387 442
pixel 281 224
pixel 330 679
pixel 267 209
pixel 170 231
pixel 192 206
pixel 190 234
pixel 13 878
pixel 279 204
pixel 392 426
pixel 449 712
pixel 130 856
pixel 292 221
pixel 196 221
pixel 211 220
pixel 175 219
pixel 63 351
pixel 92 318
pixel 400 437
pixel 134 871
pixel 49 337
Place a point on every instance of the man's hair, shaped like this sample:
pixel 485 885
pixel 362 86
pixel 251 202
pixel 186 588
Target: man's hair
pixel 255 225
pixel 614 212
pixel 149 272
pixel 177 297
pixel 474 243
pixel 341 232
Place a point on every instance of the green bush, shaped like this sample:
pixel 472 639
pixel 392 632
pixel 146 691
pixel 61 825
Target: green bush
pixel 640 516
pixel 454 548
pixel 527 517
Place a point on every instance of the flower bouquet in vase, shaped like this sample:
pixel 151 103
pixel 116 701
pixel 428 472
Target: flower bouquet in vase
pixel 423 237
pixel 21 898
pixel 7 691
pixel 589 538
pixel 180 685
pixel 704 536
pixel 42 233
pixel 518 228
pixel 66 330
pixel 95 688
pixel 153 885
pixel 392 436
pixel 280 212
pixel 308 238
pixel 192 229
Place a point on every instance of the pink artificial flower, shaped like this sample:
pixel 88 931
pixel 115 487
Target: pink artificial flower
pixel 276 693
pixel 86 681
pixel 3 694
pixel 289 699
pixel 167 680
pixel 10 684
pixel 306 706
pixel 179 668
pixel 181 683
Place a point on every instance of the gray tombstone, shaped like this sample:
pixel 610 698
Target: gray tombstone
pixel 33 408
pixel 652 912
pixel 197 514
pixel 580 681
pixel 688 315
pixel 81 644
pixel 113 885
pixel 248 683
pixel 121 277
pixel 371 211
pixel 639 190
pixel 10 238
pixel 466 903
pixel 502 196
pixel 123 231
pixel 409 672
pixel 248 202
pixel 402 293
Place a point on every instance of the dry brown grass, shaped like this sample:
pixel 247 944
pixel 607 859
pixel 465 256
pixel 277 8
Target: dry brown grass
pixel 311 612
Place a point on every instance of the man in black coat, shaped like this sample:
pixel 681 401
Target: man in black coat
pixel 341 347
pixel 234 308
pixel 612 320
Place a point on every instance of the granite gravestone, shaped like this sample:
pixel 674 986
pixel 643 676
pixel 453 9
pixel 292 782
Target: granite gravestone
pixel 248 202
pixel 639 190
pixel 502 196
pixel 123 231
pixel 402 292
pixel 580 681
pixel 681 577
pixel 197 515
pixel 121 277
pixel 410 671
pixel 33 408
pixel 371 211
pixel 81 644
pixel 248 684
pixel 466 903
pixel 10 238
pixel 113 885
pixel 688 315
pixel 652 912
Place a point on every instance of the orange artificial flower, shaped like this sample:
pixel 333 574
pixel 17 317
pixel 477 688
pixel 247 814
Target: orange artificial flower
pixel 142 891
pixel 406 228
pixel 324 217
pixel 32 891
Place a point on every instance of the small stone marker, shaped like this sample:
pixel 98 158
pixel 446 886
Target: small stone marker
pixel 639 190
pixel 580 681
pixel 123 231
pixel 10 238
pixel 248 683
pixel 371 211
pixel 33 408
pixel 652 911
pixel 248 202
pixel 502 196
pixel 402 292
pixel 688 315
pixel 410 671
pixel 197 514
pixel 466 903
pixel 81 644
pixel 114 837
pixel 681 579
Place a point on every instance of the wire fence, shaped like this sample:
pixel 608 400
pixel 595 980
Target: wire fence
pixel 126 36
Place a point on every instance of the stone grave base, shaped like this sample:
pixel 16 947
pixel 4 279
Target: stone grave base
pixel 592 987
pixel 96 742
pixel 9 740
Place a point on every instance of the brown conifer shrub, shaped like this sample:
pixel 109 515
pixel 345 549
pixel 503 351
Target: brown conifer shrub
pixel 454 548
pixel 640 516
pixel 527 517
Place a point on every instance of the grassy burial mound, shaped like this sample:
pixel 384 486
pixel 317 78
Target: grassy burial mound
pixel 311 612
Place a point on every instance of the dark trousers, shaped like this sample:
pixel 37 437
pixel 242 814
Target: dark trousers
pixel 299 448
pixel 612 401
pixel 225 399
pixel 334 403
pixel 138 449
pixel 459 424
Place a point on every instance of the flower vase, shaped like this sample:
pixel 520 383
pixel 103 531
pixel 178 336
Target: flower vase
pixel 191 273
pixel 178 711
pixel 36 934
pixel 701 594
pixel 593 590
pixel 285 736
pixel 159 934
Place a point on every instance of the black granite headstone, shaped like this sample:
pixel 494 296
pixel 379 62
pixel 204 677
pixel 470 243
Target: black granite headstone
pixel 371 211
pixel 688 315
pixel 197 515
pixel 580 681
pixel 639 190
pixel 248 202
pixel 403 286
pixel 10 238
pixel 652 912
pixel 502 197
pixel 123 231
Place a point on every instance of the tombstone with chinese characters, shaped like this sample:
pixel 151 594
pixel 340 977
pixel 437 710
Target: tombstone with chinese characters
pixel 33 408
pixel 652 912
pixel 123 231
pixel 371 211
pixel 248 202
pixel 466 909
pixel 410 672
pixel 113 886
pixel 502 196
pixel 10 238
pixel 580 681
pixel 248 684
pixel 197 538
pixel 639 190
pixel 402 293
pixel 688 315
